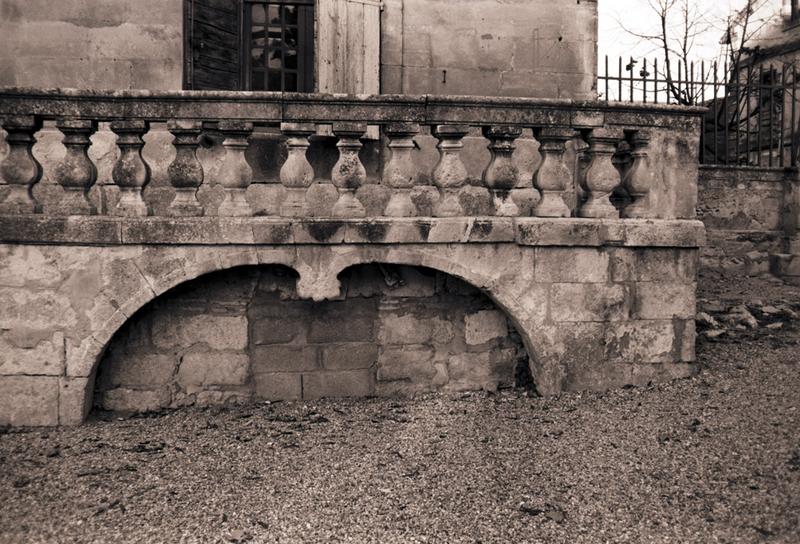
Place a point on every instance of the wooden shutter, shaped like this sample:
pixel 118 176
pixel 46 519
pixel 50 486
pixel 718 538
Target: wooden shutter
pixel 348 46
pixel 212 43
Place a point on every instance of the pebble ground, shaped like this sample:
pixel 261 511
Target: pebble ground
pixel 713 458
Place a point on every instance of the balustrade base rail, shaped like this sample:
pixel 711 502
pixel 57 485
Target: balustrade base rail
pixel 526 231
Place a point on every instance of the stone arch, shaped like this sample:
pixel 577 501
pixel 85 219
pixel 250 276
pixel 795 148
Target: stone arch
pixel 318 268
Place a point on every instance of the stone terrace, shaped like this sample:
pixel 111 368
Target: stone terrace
pixel 578 224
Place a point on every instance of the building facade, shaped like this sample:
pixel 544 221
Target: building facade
pixel 534 48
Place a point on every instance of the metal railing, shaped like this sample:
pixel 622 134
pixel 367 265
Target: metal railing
pixel 752 116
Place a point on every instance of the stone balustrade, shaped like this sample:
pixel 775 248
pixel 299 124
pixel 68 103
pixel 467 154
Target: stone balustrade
pixel 646 154
pixel 575 219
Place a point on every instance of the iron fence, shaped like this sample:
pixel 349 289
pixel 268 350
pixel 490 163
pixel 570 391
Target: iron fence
pixel 752 108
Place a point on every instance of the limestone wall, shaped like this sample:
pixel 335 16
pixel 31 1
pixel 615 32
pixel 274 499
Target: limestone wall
pixel 743 209
pixel 536 48
pixel 244 334
pixel 596 304
pixel 108 44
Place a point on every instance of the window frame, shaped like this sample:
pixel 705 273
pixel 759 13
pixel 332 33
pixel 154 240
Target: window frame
pixel 306 29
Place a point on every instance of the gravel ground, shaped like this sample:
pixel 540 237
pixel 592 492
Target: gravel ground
pixel 714 458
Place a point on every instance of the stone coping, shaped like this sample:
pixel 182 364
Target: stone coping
pixel 216 230
pixel 273 108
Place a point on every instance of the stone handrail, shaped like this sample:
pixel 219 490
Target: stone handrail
pixel 646 154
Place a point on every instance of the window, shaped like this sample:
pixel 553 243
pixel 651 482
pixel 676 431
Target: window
pixel 279 45
pixel 795 10
pixel 273 45
pixel 244 45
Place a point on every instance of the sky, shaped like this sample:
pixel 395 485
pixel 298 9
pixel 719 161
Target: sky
pixel 616 15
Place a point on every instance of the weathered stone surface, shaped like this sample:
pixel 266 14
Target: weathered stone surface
pixel 410 329
pixel 403 324
pixel 349 356
pixel 277 331
pixel 412 363
pixel 282 358
pixel 563 349
pixel 662 300
pixel 571 265
pixel 338 383
pixel 656 264
pixel 132 400
pixel 31 352
pixel 485 326
pixel 218 332
pixel 590 302
pixel 487 369
pixel 645 341
pixel 213 368
pixel 140 370
pixel 28 400
pixel 74 400
pixel 278 385
pixel 340 325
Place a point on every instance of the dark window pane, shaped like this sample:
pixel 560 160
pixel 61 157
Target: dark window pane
pixel 274 81
pixel 257 81
pixel 290 79
pixel 290 37
pixel 290 59
pixel 257 57
pixel 290 15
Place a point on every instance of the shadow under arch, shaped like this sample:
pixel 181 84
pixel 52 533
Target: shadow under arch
pixel 507 302
pixel 392 272
pixel 342 267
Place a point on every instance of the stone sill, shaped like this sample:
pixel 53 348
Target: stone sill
pixel 215 230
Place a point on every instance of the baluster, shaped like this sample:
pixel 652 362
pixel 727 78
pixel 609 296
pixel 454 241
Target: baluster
pixel 501 175
pixel 602 176
pixel 348 173
pixel 638 178
pixel 400 172
pixel 621 161
pixel 296 174
pixel 450 174
pixel 235 174
pixel 553 175
pixel 185 172
pixel 20 170
pixel 131 173
pixel 76 172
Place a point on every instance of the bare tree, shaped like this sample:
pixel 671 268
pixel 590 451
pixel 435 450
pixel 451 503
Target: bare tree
pixel 678 24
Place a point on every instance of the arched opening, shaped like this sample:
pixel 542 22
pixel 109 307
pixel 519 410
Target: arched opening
pixel 244 334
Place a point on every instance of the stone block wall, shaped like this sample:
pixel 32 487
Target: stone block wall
pixel 596 304
pixel 744 210
pixel 535 48
pixel 108 44
pixel 618 315
pixel 244 334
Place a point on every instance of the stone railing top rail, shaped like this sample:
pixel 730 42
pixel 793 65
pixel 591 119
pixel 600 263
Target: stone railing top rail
pixel 271 107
